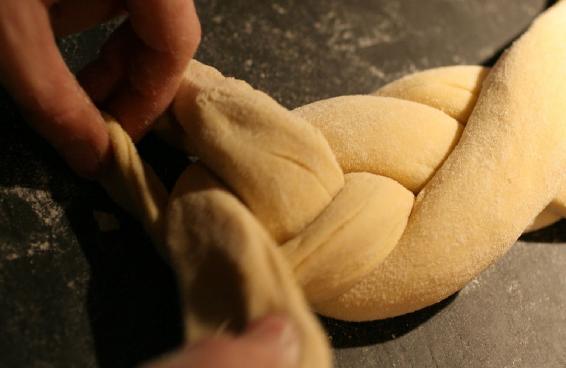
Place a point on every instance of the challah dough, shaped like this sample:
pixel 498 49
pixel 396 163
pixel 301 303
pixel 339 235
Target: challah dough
pixel 482 150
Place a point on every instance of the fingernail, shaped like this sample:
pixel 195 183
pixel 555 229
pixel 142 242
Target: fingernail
pixel 279 334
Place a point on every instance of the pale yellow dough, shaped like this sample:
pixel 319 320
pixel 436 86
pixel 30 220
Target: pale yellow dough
pixel 231 277
pixel 276 162
pixel 482 150
pixel 506 168
pixel 134 185
pixel 335 251
pixel 403 140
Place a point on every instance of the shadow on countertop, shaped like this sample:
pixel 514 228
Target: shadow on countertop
pixel 355 334
pixel 132 301
pixel 555 233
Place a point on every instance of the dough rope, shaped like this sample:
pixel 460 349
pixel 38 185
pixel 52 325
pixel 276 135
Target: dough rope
pixel 133 184
pixel 327 191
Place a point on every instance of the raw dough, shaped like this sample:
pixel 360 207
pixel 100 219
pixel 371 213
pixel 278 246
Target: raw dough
pixel 231 277
pixel 360 245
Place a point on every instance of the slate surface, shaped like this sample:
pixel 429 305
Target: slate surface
pixel 73 295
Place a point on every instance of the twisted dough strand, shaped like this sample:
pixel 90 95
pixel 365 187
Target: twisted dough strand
pixel 454 90
pixel 134 185
pixel 506 168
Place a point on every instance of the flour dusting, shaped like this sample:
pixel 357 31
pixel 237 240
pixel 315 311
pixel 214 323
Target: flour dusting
pixel 38 208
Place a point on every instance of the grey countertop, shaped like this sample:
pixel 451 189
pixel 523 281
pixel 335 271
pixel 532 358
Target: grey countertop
pixel 81 285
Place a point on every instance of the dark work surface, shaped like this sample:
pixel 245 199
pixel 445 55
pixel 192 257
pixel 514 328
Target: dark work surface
pixel 73 295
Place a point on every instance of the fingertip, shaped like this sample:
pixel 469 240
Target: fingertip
pixel 68 120
pixel 63 114
pixel 137 110
pixel 167 26
pixel 87 161
pixel 85 147
pixel 272 342
pixel 278 334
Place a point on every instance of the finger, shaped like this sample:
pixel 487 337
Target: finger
pixel 168 26
pixel 272 343
pixel 103 76
pixel 34 72
pixel 71 16
pixel 168 34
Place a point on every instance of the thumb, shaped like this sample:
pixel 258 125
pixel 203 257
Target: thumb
pixel 271 342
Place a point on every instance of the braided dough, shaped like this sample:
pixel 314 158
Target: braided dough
pixel 482 150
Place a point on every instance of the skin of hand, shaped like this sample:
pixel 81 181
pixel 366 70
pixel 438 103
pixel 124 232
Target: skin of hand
pixel 271 342
pixel 134 79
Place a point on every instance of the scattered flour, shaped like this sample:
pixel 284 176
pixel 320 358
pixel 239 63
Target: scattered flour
pixel 471 286
pixel 49 221
pixel 40 201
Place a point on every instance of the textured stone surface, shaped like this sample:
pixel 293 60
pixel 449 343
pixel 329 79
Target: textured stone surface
pixel 81 285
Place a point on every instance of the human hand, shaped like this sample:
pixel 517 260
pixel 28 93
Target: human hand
pixel 271 342
pixel 134 79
